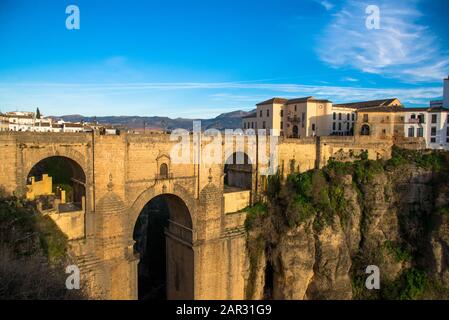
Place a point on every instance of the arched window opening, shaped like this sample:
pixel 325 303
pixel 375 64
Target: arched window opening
pixel 295 131
pixel 238 172
pixel 163 171
pixel 365 131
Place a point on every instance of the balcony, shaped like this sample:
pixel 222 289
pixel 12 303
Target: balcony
pixel 415 121
pixel 294 119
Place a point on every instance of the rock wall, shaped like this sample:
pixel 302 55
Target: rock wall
pixel 322 229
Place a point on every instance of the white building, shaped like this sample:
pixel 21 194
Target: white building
pixel 429 123
pixel 21 121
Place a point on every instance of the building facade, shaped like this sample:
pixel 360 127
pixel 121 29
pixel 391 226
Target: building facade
pixel 309 117
pixel 428 123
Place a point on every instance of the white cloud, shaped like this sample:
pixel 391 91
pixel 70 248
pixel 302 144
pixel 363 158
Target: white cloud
pixel 402 47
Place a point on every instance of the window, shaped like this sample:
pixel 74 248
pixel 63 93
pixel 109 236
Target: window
pixel 244 125
pixel 335 116
pixel 163 171
pixel 313 126
pixel 303 118
pixel 353 117
pixel 347 116
pixel 339 116
pixel 339 126
pixel 421 118
pixel 447 131
pixel 413 116
pixel 433 140
pixel 263 125
pixel 420 132
pixel 411 132
pixel 334 125
pixel 434 118
pixel 433 131
pixel 347 125
pixel 295 107
pixel 384 131
pixel 282 125
pixel 282 113
pixel 261 113
pixel 268 112
pixel 365 118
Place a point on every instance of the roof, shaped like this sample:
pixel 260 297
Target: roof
pixel 383 109
pixel 427 109
pixel 306 99
pixel 73 125
pixel 366 104
pixel 289 101
pixel 272 100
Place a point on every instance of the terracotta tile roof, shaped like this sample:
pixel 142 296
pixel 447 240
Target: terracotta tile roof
pixel 366 104
pixel 289 101
pixel 272 100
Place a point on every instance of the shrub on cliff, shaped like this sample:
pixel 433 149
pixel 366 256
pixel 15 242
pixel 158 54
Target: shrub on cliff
pixel 32 254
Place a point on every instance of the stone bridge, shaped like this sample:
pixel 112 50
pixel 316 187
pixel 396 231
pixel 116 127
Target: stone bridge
pixel 118 177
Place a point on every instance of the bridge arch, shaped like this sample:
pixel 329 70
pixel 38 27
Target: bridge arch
pixel 163 240
pixel 64 173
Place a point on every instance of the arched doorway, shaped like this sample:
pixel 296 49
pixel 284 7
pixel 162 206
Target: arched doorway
pixel 50 176
pixel 238 172
pixel 163 235
pixel 295 131
pixel 365 130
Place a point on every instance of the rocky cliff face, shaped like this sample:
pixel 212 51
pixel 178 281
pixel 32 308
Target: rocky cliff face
pixel 320 230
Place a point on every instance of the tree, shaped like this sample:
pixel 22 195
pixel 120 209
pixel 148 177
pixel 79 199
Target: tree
pixel 38 113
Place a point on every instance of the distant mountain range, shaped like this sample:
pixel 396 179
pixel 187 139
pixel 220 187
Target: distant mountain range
pixel 229 120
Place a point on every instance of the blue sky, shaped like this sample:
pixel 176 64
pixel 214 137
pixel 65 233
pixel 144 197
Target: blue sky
pixel 193 58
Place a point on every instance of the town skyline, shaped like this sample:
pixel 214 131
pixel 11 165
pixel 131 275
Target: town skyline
pixel 199 60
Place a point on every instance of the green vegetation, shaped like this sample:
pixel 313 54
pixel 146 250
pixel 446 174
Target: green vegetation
pixel 316 198
pixel 32 254
pixel 398 253
pixel 253 212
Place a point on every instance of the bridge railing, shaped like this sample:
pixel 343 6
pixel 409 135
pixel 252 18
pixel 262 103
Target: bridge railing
pixel 182 232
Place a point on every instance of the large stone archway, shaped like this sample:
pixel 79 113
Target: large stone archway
pixel 163 238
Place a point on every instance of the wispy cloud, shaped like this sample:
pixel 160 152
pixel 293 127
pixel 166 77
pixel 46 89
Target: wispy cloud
pixel 194 97
pixel 326 4
pixel 402 48
pixel 349 79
